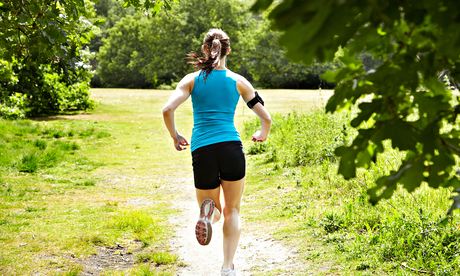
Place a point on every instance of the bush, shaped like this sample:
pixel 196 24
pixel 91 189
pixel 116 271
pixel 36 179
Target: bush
pixel 68 96
pixel 12 104
pixel 50 92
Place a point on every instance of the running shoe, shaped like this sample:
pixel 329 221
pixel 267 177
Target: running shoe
pixel 203 229
pixel 228 271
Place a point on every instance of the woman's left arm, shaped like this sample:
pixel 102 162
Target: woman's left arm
pixel 180 95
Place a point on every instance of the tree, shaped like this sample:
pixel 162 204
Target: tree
pixel 122 56
pixel 43 57
pixel 152 50
pixel 183 30
pixel 152 6
pixel 401 98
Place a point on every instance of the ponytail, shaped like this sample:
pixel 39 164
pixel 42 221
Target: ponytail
pixel 215 46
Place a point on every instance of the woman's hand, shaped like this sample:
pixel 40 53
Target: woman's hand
pixel 258 136
pixel 180 143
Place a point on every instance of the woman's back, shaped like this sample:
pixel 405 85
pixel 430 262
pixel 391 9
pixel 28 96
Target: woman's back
pixel 214 102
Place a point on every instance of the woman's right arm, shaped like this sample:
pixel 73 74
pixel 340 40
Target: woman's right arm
pixel 180 95
pixel 248 93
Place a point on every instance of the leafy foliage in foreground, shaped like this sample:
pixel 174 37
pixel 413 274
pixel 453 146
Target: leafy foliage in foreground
pixel 405 97
pixel 408 231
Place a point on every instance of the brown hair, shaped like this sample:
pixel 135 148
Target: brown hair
pixel 215 46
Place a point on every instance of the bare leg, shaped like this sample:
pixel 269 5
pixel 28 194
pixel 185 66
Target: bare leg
pixel 233 191
pixel 213 194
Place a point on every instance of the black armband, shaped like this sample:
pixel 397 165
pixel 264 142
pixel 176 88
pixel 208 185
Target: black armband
pixel 255 100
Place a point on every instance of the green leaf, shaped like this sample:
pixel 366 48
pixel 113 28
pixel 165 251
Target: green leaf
pixel 261 5
pixel 402 134
pixel 413 175
pixel 384 189
pixel 452 144
pixel 343 94
pixel 367 109
pixel 365 157
pixel 347 166
pixel 330 75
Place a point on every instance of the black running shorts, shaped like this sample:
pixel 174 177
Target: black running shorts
pixel 216 162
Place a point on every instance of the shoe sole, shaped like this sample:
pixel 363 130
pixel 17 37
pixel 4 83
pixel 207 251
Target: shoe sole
pixel 203 232
pixel 203 228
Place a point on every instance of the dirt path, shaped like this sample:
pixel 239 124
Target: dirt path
pixel 258 252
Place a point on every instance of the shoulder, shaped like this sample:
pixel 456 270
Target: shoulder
pixel 241 81
pixel 188 81
pixel 243 85
pixel 191 76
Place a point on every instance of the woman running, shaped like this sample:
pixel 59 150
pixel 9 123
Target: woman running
pixel 217 152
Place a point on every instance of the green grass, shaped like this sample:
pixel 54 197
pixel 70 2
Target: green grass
pixel 157 258
pixel 148 270
pixel 140 224
pixel 330 217
pixel 66 185
pixel 27 146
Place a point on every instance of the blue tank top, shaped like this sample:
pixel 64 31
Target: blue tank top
pixel 214 103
